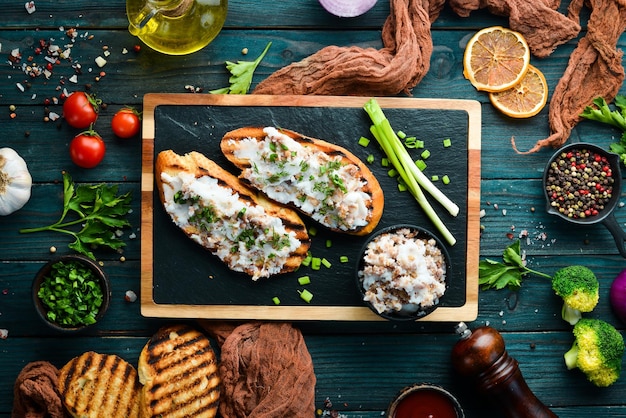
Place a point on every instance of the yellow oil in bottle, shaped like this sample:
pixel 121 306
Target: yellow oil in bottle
pixel 176 27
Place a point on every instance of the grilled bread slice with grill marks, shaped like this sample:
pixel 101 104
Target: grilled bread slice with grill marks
pixel 179 372
pixel 214 208
pixel 321 180
pixel 95 385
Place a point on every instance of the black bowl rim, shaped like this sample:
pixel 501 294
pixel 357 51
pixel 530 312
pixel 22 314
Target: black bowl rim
pixel 421 313
pixel 94 266
pixel 614 161
pixel 416 387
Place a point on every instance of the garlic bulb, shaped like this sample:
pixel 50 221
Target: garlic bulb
pixel 15 181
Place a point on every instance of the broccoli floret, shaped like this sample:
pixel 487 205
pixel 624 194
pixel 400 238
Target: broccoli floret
pixel 579 288
pixel 597 351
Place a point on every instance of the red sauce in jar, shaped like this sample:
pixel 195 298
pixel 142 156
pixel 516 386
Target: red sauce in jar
pixel 425 403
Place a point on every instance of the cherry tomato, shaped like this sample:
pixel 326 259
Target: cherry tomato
pixel 126 123
pixel 80 110
pixel 87 149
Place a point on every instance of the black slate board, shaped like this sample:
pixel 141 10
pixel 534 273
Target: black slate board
pixel 184 274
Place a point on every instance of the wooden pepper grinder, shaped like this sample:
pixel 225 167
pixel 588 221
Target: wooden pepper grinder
pixel 481 356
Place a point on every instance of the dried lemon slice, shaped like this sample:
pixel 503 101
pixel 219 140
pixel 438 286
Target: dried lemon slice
pixel 496 59
pixel 526 98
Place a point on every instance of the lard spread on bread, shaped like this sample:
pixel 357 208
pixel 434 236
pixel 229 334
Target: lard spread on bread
pixel 321 180
pixel 245 230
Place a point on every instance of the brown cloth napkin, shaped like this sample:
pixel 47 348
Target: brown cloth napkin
pixel 35 394
pixel 399 66
pixel 543 27
pixel 594 69
pixel 266 370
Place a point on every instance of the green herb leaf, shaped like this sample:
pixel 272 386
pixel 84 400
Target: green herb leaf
pixel 97 209
pixel 509 273
pixel 241 75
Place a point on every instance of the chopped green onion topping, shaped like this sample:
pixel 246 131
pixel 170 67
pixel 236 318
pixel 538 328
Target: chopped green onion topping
pixel 364 142
pixel 276 300
pixel 401 134
pixel 344 259
pixel 425 154
pixel 307 260
pixel 305 295
pixel 304 280
pixel 419 144
pixel 326 263
pixel 384 162
pixel 316 263
pixel 421 165
pixel 447 142
pixel 434 177
pixel 329 243
pixel 312 231
pixel 410 142
pixel 445 179
pixel 402 187
pixel 370 158
pixel 392 172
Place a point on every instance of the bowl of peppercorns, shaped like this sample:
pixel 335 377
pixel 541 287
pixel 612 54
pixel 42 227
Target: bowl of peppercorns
pixel 582 185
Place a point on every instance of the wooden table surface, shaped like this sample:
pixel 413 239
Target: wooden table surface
pixel 359 368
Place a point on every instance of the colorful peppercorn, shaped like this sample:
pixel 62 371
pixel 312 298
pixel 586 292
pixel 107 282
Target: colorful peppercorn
pixel 579 183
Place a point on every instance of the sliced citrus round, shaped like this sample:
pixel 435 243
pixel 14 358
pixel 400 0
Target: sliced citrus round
pixel 526 98
pixel 495 59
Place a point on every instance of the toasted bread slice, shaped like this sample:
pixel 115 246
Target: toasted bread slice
pixel 95 385
pixel 321 180
pixel 213 207
pixel 179 373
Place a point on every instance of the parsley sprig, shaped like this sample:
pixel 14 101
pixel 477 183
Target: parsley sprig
pixel 97 209
pixel 509 273
pixel 603 113
pixel 241 75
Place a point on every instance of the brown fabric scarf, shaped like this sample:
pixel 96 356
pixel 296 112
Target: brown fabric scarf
pixel 35 392
pixel 594 69
pixel 266 370
pixel 399 66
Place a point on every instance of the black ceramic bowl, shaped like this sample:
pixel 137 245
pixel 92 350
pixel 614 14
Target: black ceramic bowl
pixel 424 399
pixel 99 277
pixel 604 216
pixel 409 312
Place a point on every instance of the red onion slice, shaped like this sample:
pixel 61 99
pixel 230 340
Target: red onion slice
pixel 347 8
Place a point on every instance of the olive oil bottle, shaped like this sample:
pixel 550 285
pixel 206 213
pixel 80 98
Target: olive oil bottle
pixel 176 27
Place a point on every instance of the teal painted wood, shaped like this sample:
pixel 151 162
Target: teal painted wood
pixel 359 367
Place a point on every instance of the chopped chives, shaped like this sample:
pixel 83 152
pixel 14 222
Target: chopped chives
pixel 316 263
pixel 304 280
pixel 364 142
pixel 305 295
pixel 445 179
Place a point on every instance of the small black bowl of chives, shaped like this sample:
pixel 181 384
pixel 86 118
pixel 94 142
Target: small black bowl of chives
pixel 71 293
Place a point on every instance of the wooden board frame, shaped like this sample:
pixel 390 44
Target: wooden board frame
pixel 149 308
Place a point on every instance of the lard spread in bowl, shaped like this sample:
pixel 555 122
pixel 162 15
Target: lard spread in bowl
pixel 402 272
